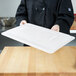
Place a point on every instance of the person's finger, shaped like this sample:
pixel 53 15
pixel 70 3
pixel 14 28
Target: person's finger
pixel 55 28
pixel 23 22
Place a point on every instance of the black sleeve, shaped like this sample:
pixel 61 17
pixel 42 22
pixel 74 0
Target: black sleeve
pixel 21 13
pixel 65 16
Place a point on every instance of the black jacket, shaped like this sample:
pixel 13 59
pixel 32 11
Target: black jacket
pixel 46 13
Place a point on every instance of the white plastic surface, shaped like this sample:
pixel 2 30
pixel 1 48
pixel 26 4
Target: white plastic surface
pixel 39 37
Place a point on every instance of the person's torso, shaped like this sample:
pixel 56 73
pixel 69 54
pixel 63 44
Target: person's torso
pixel 42 12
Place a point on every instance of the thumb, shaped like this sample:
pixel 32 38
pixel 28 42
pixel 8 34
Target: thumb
pixel 23 22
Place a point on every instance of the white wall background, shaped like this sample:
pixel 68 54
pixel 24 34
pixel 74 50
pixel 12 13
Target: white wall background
pixel 74 5
pixel 8 7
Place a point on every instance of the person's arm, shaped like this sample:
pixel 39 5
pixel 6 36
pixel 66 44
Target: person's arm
pixel 21 13
pixel 65 16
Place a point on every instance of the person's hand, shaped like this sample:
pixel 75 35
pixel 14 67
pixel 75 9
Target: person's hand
pixel 56 28
pixel 23 22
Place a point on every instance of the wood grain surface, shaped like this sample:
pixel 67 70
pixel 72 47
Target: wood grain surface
pixel 29 61
pixel 73 27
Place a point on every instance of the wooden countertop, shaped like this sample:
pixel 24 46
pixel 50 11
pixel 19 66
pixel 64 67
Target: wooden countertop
pixel 28 61
pixel 73 27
